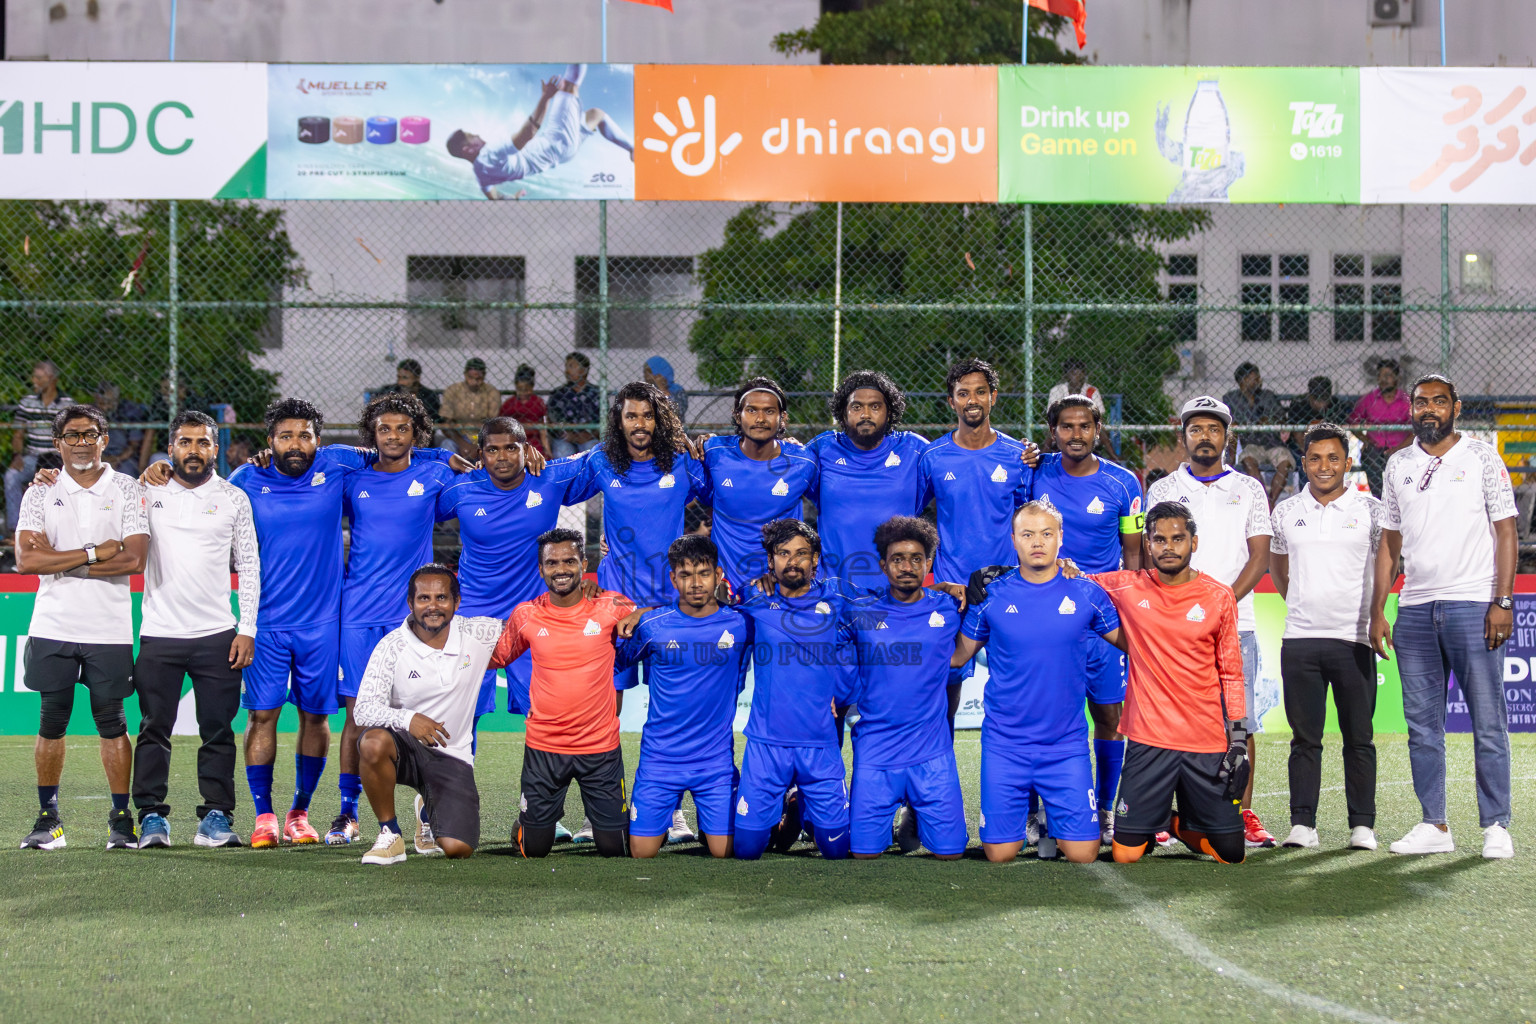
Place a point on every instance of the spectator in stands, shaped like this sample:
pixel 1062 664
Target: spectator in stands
pixel 1254 405
pixel 575 401
pixel 408 382
pixel 32 434
pixel 160 412
pixel 527 408
pixel 1075 383
pixel 1387 404
pixel 659 373
pixel 470 401
pixel 1318 405
pixel 123 443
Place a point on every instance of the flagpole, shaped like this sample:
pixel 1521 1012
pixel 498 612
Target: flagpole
pixel 1029 273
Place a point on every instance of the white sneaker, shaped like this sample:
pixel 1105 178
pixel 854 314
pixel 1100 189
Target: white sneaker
pixel 680 832
pixel 426 842
pixel 1034 828
pixel 1497 845
pixel 1301 837
pixel 389 848
pixel 1363 837
pixel 583 834
pixel 1424 838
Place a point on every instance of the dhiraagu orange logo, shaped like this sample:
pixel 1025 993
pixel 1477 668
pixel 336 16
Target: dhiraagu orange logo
pixel 812 133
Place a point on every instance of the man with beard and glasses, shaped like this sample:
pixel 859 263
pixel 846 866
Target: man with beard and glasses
pixel 573 725
pixel 1451 518
pixel 417 709
pixel 392 507
pixel 1232 509
pixel 84 535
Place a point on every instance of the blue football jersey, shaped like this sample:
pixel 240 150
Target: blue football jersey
pixel 694 668
pixel 392 516
pixel 803 662
pixel 747 495
pixel 856 491
pixel 642 516
pixel 904 652
pixel 1036 634
pixel 1091 508
pixel 976 493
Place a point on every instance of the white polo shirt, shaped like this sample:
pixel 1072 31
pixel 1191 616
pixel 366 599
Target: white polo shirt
pixel 1227 512
pixel 405 677
pixel 194 532
pixel 1332 552
pixel 1447 524
pixel 89 609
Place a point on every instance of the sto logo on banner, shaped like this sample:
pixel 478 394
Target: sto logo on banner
pixel 808 133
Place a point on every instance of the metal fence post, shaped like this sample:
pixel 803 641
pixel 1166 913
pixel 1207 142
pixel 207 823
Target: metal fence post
pixel 1029 320
pixel 602 306
pixel 173 316
pixel 1445 289
pixel 837 303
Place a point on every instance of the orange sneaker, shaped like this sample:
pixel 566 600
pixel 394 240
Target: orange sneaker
pixel 1254 832
pixel 265 833
pixel 297 829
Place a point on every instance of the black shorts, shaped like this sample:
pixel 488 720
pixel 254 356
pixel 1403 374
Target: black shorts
pixel 445 783
pixel 547 776
pixel 1153 777
pixel 105 669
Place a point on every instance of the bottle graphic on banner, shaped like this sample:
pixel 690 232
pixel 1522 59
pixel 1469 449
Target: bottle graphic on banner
pixel 1206 159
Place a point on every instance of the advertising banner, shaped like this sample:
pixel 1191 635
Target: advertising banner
pixel 450 131
pixel 809 133
pixel 1178 135
pixel 1448 135
pixel 100 130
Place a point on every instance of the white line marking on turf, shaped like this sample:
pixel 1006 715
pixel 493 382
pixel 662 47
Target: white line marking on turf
pixel 1153 919
pixel 1393 782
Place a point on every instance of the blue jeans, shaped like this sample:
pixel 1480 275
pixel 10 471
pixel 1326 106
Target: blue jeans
pixel 1433 640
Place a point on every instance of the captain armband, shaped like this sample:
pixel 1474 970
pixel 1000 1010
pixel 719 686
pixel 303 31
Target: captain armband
pixel 1133 524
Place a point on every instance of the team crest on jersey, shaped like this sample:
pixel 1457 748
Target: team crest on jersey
pixel 1096 506
pixel 741 806
pixel 363 494
pixel 317 480
pixel 1067 607
pixel 892 460
pixel 726 641
pixel 479 511
pixel 1124 808
pixel 780 489
pixel 415 490
pixel 1236 499
pixel 542 632
pixel 667 482
pixel 634 813
pixel 1143 603
pixel 211 510
pixel 465 662
pixel 108 506
pixel 999 475
pixel 591 628
pixel 1196 614
pixel 936 620
pixel 822 608
pixel 1460 477
pixel 535 499
pixel 1353 523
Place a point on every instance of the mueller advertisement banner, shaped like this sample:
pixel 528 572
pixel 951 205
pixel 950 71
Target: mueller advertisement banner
pixel 444 131
pixel 1448 135
pixel 98 130
pixel 810 133
pixel 1178 135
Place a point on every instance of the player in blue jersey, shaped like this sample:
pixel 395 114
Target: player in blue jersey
pixel 696 655
pixel 755 478
pixel 802 671
pixel 392 508
pixel 902 747
pixel 1101 509
pixel 1034 739
pixel 867 472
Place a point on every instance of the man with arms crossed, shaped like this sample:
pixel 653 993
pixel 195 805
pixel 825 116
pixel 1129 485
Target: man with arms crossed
pixel 573 724
pixel 1233 512
pixel 1322 560
pixel 416 707
pixel 84 535
pixel 1451 518
pixel 696 655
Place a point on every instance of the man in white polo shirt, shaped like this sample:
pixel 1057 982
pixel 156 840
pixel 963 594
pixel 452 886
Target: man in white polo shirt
pixel 198 524
pixel 1451 516
pixel 1233 512
pixel 84 534
pixel 416 707
pixel 1322 560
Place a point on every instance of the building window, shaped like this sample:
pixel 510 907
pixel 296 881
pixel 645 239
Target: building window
pixel 1379 276
pixel 1267 278
pixel 633 279
pixel 464 279
pixel 1184 290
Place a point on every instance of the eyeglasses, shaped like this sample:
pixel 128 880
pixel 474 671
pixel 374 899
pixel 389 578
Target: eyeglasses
pixel 1429 474
pixel 81 437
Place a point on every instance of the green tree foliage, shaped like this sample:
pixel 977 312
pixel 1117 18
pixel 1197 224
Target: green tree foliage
pixel 82 252
pixel 929 32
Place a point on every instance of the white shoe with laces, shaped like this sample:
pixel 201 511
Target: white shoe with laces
pixel 583 834
pixel 426 842
pixel 1425 838
pixel 1497 845
pixel 389 848
pixel 680 832
pixel 1301 837
pixel 1362 837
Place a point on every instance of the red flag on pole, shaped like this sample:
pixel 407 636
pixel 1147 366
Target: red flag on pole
pixel 1074 9
pixel 665 5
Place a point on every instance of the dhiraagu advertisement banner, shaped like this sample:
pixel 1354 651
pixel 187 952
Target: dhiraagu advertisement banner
pixel 1179 135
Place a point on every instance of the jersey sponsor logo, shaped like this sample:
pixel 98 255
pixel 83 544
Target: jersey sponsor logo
pixel 822 608
pixel 535 499
pixel 726 641
pixel 1143 603
pixel 479 511
pixel 999 475
pixel 936 620
pixel 892 460
pixel 363 494
pixel 949 476
pixel 591 628
pixel 1096 506
pixel 317 480
pixel 1012 610
pixel 542 632
pixel 1066 607
pixel 415 490
pixel 1135 505
pixel 667 482
pixel 780 489
pixel 1196 614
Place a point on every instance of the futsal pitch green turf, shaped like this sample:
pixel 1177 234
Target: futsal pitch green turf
pixel 309 934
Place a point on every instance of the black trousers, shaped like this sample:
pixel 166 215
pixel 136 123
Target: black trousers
pixel 1373 460
pixel 158 675
pixel 1307 668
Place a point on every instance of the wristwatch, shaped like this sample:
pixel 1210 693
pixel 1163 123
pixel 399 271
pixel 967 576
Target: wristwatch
pixel 1505 603
pixel 90 554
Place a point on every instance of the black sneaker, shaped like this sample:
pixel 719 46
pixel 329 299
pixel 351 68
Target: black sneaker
pixel 120 834
pixel 47 833
pixel 906 831
pixel 786 833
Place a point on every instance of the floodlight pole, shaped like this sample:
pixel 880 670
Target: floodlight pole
pixel 602 269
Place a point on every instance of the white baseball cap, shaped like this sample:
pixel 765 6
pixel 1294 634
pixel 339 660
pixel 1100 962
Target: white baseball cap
pixel 1205 405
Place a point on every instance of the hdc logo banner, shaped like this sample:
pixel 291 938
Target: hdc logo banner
pixel 828 134
pixel 98 130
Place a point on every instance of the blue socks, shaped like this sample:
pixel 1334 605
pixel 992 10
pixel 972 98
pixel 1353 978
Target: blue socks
pixel 48 798
pixel 351 787
pixel 119 801
pixel 392 825
pixel 307 772
pixel 1108 757
pixel 259 778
